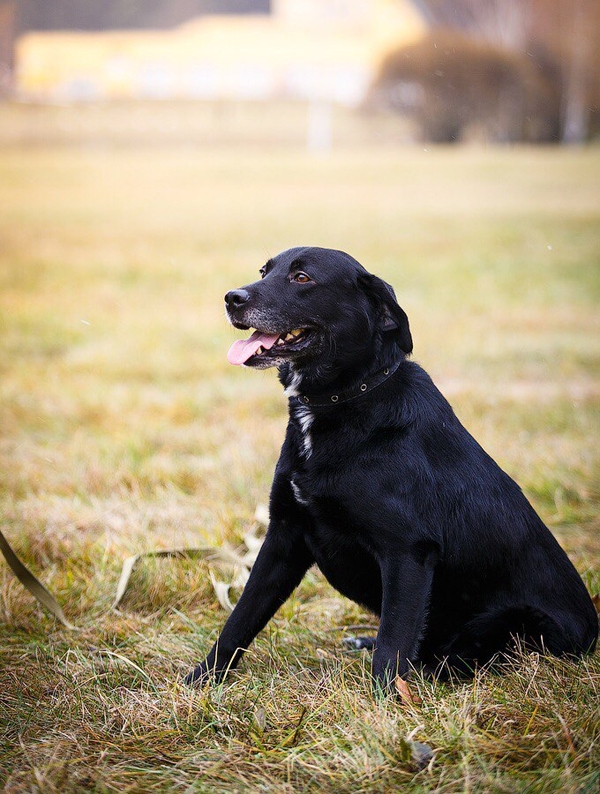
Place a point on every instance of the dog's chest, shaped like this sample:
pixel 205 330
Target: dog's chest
pixel 303 418
pixel 318 463
pixel 321 463
pixel 320 490
pixel 301 496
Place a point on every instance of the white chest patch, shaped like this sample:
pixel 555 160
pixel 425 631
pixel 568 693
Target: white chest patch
pixel 298 494
pixel 293 390
pixel 302 414
pixel 305 419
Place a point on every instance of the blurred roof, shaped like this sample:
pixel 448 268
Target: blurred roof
pixel 125 14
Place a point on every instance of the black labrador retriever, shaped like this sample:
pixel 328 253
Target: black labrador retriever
pixel 380 485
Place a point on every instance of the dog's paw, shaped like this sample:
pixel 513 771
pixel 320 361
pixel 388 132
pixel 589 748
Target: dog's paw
pixel 386 682
pixel 199 677
pixel 359 643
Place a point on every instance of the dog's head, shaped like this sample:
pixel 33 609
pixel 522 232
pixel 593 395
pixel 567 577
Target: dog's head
pixel 315 306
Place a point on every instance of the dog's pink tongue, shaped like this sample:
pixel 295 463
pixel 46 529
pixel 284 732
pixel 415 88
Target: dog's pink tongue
pixel 241 350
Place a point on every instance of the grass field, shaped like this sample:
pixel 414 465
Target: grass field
pixel 123 430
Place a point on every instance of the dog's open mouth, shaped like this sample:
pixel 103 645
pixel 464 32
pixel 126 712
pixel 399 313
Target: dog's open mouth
pixel 266 345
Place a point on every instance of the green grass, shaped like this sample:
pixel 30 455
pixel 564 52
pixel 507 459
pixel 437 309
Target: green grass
pixel 123 429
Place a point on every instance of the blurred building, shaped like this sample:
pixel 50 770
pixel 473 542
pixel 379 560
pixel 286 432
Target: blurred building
pixel 308 49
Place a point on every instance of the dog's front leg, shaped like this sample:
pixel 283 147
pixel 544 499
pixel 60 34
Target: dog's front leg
pixel 406 584
pixel 279 568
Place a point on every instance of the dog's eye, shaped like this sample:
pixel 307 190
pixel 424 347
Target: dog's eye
pixel 301 278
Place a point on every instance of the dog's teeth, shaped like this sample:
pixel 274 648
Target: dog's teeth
pixel 280 341
pixel 289 337
pixel 259 351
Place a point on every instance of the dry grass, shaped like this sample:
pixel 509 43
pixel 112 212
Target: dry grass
pixel 123 429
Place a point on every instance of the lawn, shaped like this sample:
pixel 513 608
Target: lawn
pixel 123 430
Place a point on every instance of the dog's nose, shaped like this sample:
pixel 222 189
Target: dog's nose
pixel 236 298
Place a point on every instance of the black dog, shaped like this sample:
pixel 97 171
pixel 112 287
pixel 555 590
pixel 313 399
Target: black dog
pixel 380 485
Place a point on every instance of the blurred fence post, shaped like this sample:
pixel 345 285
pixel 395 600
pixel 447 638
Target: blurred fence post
pixel 319 127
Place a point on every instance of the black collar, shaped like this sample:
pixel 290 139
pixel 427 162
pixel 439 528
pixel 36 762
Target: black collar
pixel 322 400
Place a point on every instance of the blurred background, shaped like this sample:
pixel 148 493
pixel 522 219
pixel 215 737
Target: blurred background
pixel 153 155
pixel 318 71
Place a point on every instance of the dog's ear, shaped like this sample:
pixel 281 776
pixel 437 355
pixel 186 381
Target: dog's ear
pixel 395 320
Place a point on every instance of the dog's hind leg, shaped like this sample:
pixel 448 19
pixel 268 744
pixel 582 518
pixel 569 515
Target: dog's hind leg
pixel 500 632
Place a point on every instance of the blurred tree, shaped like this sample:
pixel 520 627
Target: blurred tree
pixel 502 22
pixel 8 26
pixel 568 31
pixel 456 86
pixel 560 36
